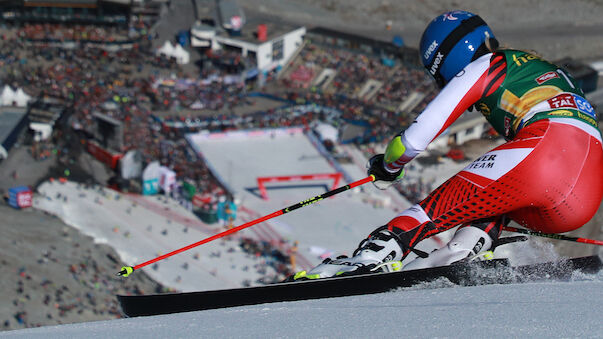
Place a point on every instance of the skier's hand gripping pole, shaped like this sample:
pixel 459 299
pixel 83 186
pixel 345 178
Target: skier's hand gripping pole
pixel 127 270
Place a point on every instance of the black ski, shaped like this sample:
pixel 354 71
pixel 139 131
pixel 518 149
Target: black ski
pixel 464 274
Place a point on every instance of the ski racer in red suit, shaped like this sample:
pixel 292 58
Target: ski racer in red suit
pixel 546 177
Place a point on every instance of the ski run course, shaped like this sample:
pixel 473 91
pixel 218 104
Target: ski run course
pixel 141 228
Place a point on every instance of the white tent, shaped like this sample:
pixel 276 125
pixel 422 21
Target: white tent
pixel 181 55
pixel 197 105
pixel 131 165
pixel 167 49
pixel 326 132
pixel 22 98
pixel 151 172
pixel 150 178
pixel 171 51
pixel 41 131
pixel 7 97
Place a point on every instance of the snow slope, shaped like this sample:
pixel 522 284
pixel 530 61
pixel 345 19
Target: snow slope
pixel 332 225
pixel 534 310
pixel 141 228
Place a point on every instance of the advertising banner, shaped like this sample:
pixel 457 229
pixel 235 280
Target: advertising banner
pixel 20 197
pixel 150 187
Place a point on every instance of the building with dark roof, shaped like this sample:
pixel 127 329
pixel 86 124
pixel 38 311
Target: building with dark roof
pixel 269 44
pixel 12 122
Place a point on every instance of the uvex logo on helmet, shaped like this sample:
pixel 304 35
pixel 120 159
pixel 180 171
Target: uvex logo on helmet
pixel 430 49
pixel 436 63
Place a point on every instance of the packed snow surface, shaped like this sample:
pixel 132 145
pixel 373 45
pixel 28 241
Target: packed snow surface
pixel 533 310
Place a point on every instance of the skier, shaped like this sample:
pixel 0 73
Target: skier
pixel 546 177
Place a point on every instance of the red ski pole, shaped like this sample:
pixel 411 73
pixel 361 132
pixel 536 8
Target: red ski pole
pixel 127 270
pixel 553 236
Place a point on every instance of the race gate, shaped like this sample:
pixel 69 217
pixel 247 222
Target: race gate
pixel 288 178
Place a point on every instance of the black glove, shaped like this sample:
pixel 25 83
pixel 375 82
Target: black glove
pixel 383 178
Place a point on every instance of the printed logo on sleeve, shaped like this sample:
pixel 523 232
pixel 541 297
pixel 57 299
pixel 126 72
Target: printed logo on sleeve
pixel 563 100
pixel 546 77
pixel 507 125
pixel 571 100
pixel 584 105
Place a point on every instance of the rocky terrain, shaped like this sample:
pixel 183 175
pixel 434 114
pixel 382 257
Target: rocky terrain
pixel 555 29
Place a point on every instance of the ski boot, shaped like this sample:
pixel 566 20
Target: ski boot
pixel 468 243
pixel 381 251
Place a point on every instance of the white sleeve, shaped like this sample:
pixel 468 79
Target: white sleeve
pixel 446 107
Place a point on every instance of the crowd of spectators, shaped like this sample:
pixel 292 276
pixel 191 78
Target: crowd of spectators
pixel 118 84
pixel 272 256
pixel 47 32
pixel 414 190
pixel 352 70
pixel 401 83
pixel 85 292
pixel 158 103
pixel 355 70
pixel 306 103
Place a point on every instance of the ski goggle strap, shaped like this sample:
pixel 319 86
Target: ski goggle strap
pixel 467 26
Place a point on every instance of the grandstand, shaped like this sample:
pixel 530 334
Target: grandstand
pixel 104 12
pixel 371 71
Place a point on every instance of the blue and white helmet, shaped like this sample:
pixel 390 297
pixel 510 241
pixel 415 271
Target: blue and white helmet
pixel 451 41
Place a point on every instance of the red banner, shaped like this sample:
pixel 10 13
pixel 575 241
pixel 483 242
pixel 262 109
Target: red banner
pixel 200 200
pixel 107 157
